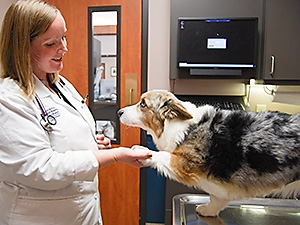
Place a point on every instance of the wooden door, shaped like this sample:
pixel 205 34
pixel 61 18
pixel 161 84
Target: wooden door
pixel 119 184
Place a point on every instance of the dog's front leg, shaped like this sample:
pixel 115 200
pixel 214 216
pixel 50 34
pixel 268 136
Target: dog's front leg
pixel 212 208
pixel 161 162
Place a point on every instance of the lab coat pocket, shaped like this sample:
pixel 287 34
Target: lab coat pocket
pixel 32 220
pixel 47 211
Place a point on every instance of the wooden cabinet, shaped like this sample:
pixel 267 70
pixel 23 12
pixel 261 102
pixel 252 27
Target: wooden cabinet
pixel 281 42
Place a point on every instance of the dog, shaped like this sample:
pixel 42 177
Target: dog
pixel 230 154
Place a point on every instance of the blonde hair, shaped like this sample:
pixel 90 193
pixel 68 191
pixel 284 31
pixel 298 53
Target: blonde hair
pixel 22 23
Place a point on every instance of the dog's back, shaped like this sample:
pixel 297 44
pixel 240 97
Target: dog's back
pixel 250 150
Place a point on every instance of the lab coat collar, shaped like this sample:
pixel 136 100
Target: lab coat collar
pixel 40 88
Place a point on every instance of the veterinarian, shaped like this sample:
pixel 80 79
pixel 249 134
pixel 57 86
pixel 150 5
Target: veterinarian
pixel 49 153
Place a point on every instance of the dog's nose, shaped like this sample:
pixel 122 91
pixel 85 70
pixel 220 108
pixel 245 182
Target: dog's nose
pixel 120 113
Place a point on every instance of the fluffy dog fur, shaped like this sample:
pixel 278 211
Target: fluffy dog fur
pixel 229 154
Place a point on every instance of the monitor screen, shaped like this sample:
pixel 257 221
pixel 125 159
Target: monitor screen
pixel 217 43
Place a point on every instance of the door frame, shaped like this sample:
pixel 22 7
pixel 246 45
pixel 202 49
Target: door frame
pixel 144 87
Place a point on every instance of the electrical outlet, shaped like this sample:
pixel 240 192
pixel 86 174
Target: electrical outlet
pixel 261 108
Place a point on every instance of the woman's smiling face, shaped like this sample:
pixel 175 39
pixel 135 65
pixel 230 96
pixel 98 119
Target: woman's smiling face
pixel 47 50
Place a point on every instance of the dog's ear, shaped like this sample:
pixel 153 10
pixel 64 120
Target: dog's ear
pixel 174 109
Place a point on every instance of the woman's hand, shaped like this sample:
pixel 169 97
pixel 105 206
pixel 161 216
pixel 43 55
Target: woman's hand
pixel 133 155
pixel 103 142
pixel 124 155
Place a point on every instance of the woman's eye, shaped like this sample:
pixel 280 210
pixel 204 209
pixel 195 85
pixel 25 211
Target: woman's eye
pixel 63 38
pixel 50 44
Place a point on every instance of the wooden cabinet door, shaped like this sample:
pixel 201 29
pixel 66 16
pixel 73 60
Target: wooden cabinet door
pixel 282 47
pixel 119 184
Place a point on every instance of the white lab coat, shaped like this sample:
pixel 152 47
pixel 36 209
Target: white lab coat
pixel 47 178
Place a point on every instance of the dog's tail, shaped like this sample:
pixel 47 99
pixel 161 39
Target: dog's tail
pixel 290 191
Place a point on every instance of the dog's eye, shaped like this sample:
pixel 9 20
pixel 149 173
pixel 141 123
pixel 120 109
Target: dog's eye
pixel 143 104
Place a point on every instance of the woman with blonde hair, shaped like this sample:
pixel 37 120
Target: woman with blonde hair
pixel 49 152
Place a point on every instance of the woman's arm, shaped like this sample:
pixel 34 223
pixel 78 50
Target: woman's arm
pixel 122 154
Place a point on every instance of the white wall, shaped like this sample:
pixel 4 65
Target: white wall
pixel 262 95
pixel 4 4
pixel 158 44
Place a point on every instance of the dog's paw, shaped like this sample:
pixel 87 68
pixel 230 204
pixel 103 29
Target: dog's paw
pixel 147 162
pixel 154 161
pixel 205 210
pixel 212 208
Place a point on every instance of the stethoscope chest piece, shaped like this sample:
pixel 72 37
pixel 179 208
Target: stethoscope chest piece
pixel 47 121
pixel 51 120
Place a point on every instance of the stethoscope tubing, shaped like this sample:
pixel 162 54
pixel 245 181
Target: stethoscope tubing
pixel 43 110
pixel 47 120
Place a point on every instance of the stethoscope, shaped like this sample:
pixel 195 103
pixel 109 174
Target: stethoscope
pixel 47 121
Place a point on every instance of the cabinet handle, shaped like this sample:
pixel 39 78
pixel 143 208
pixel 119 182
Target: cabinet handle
pixel 130 96
pixel 272 65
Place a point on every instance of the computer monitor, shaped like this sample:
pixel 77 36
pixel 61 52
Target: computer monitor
pixel 217 43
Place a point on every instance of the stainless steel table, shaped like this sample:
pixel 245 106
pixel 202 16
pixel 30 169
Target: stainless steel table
pixel 257 211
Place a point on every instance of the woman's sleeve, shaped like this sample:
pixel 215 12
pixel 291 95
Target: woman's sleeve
pixel 26 155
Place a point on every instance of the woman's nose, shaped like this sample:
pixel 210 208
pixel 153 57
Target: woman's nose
pixel 63 46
